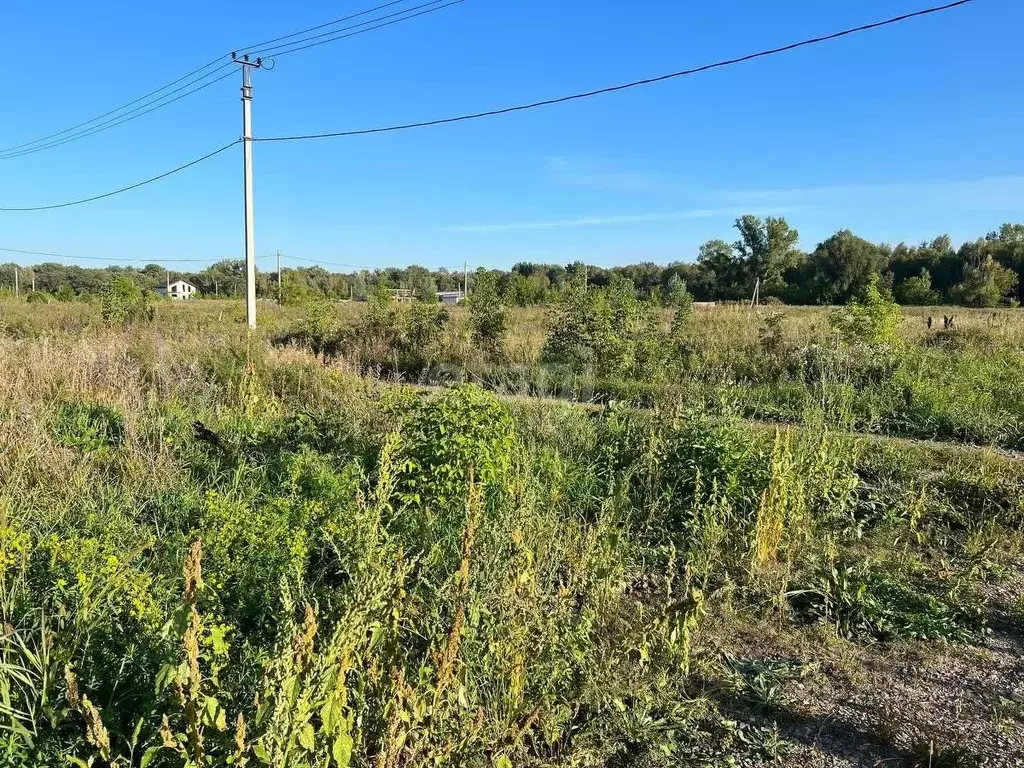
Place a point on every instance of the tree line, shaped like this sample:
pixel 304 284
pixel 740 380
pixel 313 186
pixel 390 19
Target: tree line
pixel 986 272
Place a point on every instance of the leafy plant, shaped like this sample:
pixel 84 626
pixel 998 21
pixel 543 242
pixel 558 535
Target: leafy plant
pixel 488 318
pixel 871 318
pixel 124 303
pixel 89 427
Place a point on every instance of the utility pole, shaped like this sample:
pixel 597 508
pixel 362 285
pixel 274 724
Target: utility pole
pixel 167 283
pixel 280 299
pixel 33 281
pixel 15 279
pixel 250 236
pixel 216 288
pixel 465 280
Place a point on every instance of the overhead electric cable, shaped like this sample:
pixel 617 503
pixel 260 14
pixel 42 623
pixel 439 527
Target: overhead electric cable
pixel 623 86
pixel 121 119
pixel 336 34
pixel 163 175
pixel 141 260
pixel 521 107
pixel 157 98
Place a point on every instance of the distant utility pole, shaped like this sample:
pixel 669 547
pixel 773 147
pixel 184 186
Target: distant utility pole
pixel 280 299
pixel 465 280
pixel 167 283
pixel 33 281
pixel 216 288
pixel 15 279
pixel 250 236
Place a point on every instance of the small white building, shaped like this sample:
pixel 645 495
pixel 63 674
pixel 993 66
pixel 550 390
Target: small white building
pixel 450 297
pixel 179 289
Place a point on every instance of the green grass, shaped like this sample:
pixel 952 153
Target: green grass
pixel 332 570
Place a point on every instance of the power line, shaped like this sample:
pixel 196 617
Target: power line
pixel 334 35
pixel 327 263
pixel 127 117
pixel 161 262
pixel 522 107
pixel 116 109
pixel 146 104
pixel 252 48
pixel 130 187
pixel 624 86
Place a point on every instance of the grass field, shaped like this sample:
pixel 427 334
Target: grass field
pixel 769 545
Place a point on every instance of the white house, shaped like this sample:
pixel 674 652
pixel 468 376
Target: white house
pixel 450 297
pixel 179 289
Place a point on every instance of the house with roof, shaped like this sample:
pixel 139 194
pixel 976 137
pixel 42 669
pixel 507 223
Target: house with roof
pixel 179 289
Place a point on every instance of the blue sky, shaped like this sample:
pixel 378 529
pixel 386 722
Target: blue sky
pixel 899 134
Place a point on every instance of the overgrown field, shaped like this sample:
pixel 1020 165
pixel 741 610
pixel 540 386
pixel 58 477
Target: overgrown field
pixel 223 549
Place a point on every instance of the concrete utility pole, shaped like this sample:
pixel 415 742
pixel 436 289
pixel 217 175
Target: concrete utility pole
pixel 250 236
pixel 15 279
pixel 167 283
pixel 465 280
pixel 280 297
pixel 33 281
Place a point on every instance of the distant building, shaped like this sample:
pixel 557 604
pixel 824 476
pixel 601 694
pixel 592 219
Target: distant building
pixel 450 297
pixel 402 294
pixel 179 289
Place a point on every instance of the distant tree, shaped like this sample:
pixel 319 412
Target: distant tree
pixel 65 293
pixel 986 284
pixel 767 251
pixel 840 268
pixel 917 290
pixel 1007 247
pixel 359 286
pixel 422 284
pixel 722 268
pixel 945 265
pixel 676 295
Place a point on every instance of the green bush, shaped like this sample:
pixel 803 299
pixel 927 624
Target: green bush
pixel 124 303
pixel 488 317
pixel 871 318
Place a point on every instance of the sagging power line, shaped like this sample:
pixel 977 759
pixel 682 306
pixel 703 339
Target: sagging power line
pixel 130 260
pixel 512 109
pixel 406 15
pixel 214 71
pixel 247 65
pixel 623 86
pixel 128 188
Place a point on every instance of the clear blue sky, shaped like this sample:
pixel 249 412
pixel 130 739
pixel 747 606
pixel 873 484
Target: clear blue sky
pixel 899 134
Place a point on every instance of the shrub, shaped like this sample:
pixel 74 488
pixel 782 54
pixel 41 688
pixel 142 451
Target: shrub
pixel 124 303
pixel 917 290
pixel 488 318
pixel 986 284
pixel 872 318
pixel 606 331
pixel 319 325
pixel 425 323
